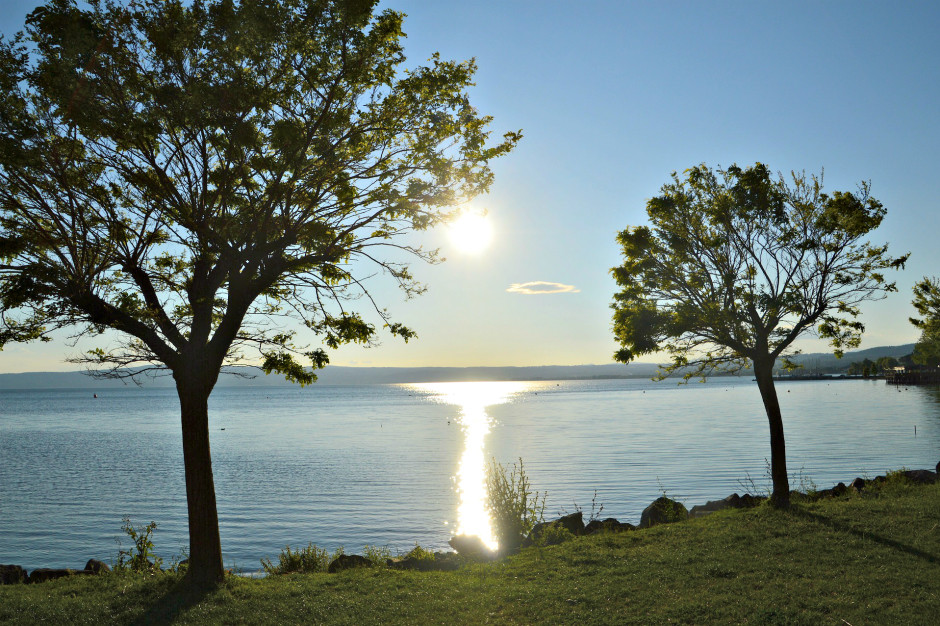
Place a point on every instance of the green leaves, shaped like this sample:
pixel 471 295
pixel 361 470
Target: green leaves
pixel 735 264
pixel 181 171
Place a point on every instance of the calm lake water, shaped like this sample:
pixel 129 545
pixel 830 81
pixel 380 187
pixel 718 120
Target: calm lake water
pixel 391 465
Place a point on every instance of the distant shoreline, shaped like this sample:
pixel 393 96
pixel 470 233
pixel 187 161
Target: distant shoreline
pixel 339 375
pixel 827 364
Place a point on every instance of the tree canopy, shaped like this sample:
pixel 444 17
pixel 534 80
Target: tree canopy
pixel 192 173
pixel 736 264
pixel 927 303
pixel 183 173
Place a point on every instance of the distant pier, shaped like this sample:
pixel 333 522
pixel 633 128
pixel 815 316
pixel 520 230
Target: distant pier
pixel 913 377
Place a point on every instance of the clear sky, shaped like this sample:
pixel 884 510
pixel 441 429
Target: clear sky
pixel 612 97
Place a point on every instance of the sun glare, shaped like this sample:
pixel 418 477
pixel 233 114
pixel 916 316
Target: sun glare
pixel 471 233
pixel 473 398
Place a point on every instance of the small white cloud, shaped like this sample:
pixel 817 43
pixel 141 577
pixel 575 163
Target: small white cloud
pixel 541 287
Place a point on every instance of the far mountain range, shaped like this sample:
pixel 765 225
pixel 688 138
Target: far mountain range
pixel 822 363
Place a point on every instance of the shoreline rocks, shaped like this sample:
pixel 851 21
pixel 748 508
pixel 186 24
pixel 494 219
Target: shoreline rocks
pixel 12 574
pixel 572 523
pixel 609 525
pixel 348 561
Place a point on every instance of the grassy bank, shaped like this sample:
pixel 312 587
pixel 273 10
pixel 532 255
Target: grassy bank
pixel 870 559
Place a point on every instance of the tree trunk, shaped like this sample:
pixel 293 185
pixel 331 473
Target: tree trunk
pixel 763 371
pixel 205 547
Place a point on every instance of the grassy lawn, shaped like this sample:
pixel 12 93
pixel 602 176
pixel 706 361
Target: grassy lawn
pixel 871 559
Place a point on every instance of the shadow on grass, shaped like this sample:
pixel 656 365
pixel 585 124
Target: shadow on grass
pixel 181 596
pixel 867 535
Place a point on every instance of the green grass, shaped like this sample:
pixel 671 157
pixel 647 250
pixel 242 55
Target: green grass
pixel 873 559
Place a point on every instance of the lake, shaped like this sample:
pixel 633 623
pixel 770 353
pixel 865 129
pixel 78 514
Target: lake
pixel 392 465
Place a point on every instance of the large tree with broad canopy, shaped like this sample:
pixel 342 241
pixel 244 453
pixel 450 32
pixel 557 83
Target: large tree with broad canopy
pixel 187 172
pixel 735 265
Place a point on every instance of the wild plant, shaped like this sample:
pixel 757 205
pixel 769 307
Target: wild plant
pixel 749 485
pixel 806 484
pixel 513 506
pixel 140 558
pixel 596 509
pixel 303 560
pixel 552 535
pixel 181 561
pixel 378 555
pixel 897 476
pixel 420 554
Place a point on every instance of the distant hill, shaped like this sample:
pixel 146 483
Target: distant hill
pixel 827 363
pixel 336 375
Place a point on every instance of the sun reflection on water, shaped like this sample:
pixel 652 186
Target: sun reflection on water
pixel 473 398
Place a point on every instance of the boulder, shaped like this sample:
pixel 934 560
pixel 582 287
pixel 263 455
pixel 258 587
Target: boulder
pixel 348 561
pixel 663 510
pixel 836 491
pixel 924 477
pixel 573 523
pixel 43 574
pixel 97 567
pixel 12 574
pixel 609 525
pixel 748 501
pixel 471 547
pixel 857 485
pixel 734 501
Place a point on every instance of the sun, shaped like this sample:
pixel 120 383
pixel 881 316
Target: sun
pixel 471 233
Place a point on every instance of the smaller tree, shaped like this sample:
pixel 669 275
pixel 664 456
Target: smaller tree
pixel 927 303
pixel 735 265
pixel 886 363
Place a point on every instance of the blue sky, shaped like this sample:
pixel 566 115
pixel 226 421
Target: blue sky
pixel 612 97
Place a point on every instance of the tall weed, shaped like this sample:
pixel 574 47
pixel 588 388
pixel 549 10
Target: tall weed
pixel 302 561
pixel 513 505
pixel 139 558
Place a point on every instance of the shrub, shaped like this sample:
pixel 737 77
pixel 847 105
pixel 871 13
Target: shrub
pixel 419 554
pixel 378 555
pixel 596 509
pixel 513 506
pixel 303 560
pixel 140 558
pixel 552 535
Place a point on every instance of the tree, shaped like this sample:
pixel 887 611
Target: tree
pixel 193 174
pixel 927 303
pixel 735 265
pixel 885 363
